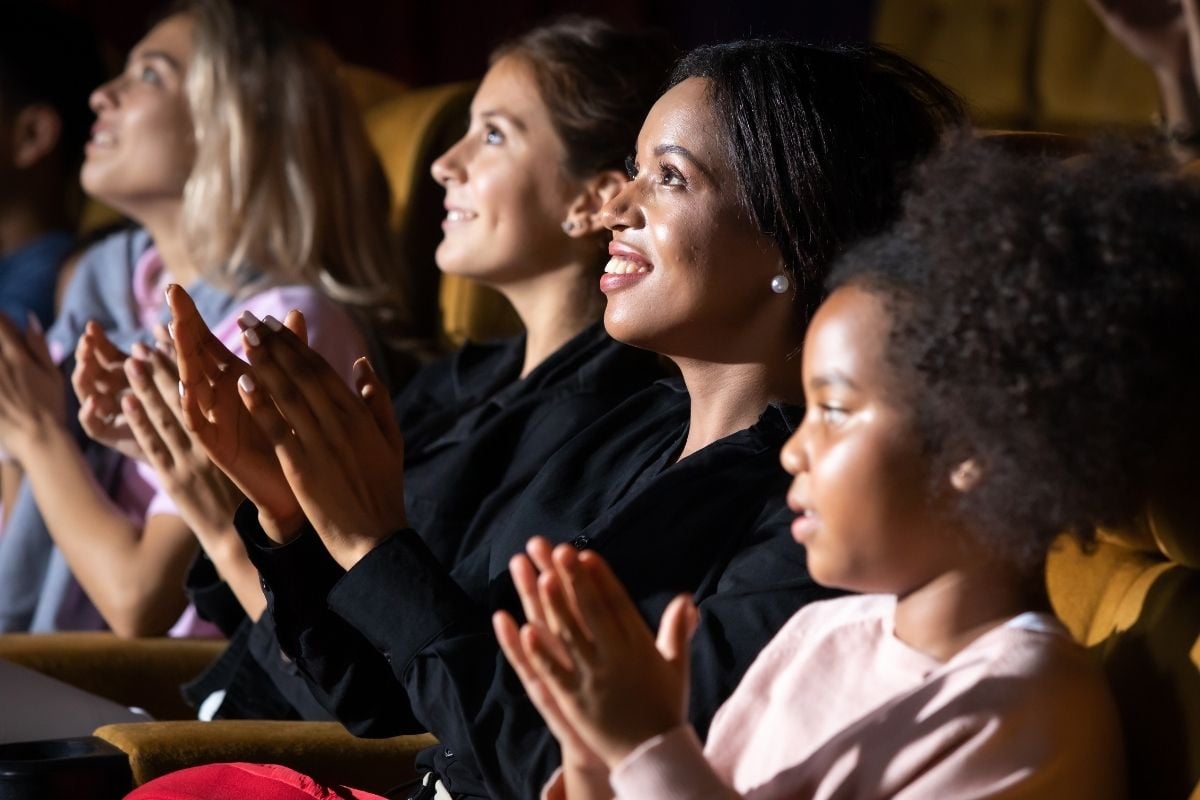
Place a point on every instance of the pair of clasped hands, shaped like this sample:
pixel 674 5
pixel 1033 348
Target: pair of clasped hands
pixel 284 431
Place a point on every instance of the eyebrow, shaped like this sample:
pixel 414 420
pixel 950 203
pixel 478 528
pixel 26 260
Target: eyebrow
pixel 680 150
pixel 159 55
pixel 834 378
pixel 514 121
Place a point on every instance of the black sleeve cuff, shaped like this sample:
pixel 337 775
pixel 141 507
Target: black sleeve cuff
pixel 296 577
pixel 400 598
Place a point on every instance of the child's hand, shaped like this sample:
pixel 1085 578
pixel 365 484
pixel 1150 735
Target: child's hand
pixel 206 498
pixel 576 755
pixel 610 681
pixel 214 413
pixel 99 381
pixel 340 449
pixel 32 390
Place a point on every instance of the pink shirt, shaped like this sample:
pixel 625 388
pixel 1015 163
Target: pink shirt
pixel 837 707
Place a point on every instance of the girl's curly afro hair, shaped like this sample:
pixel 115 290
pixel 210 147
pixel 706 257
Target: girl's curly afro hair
pixel 1045 323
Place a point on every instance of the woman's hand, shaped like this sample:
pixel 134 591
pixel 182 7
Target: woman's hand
pixel 32 390
pixel 99 381
pixel 206 498
pixel 340 449
pixel 213 412
pixel 609 681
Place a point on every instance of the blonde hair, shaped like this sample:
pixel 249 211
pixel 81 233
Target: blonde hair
pixel 285 188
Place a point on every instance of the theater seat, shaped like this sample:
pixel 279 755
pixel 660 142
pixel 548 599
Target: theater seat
pixel 1134 602
pixel 134 672
pixel 323 750
pixel 1024 63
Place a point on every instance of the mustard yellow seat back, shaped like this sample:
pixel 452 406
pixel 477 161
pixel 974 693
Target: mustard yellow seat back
pixel 1135 603
pixel 1044 64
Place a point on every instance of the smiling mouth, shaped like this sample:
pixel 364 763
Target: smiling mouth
pixel 618 265
pixel 459 215
pixel 103 139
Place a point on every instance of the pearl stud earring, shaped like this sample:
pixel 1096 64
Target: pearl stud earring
pixel 780 283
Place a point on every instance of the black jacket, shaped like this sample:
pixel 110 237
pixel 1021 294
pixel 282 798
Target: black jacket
pixel 401 644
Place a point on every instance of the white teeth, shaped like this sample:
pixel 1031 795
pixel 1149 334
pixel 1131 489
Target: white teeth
pixel 623 266
pixel 103 138
pixel 459 215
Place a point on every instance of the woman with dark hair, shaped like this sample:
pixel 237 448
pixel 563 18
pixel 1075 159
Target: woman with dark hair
pixel 679 486
pixel 935 480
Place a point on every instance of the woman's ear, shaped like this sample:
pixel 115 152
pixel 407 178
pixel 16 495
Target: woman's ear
pixel 583 215
pixel 35 134
pixel 966 475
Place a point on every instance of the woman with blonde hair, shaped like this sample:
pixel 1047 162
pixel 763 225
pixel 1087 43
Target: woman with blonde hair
pixel 216 138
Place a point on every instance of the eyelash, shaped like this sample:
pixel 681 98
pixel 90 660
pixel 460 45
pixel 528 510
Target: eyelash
pixel 669 176
pixel 491 130
pixel 828 412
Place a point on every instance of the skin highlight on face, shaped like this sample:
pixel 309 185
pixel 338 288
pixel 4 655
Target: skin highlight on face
pixel 686 265
pixel 506 191
pixel 142 147
pixel 861 486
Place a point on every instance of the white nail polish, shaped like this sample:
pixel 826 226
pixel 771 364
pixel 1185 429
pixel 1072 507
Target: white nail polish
pixel 246 383
pixel 248 320
pixel 273 323
pixel 181 390
pixel 251 337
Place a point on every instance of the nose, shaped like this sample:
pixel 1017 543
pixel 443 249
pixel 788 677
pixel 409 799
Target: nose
pixel 104 97
pixel 448 167
pixel 622 210
pixel 792 456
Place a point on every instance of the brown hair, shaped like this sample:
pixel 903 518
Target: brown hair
pixel 597 82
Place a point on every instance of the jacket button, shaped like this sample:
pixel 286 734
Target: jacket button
pixel 581 542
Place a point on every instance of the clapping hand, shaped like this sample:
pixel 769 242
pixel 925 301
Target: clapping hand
pixel 587 658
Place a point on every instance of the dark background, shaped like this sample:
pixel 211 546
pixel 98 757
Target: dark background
pixel 437 41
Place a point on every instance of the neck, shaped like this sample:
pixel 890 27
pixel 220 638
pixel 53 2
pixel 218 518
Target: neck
pixel 955 608
pixel 20 226
pixel 166 229
pixel 725 398
pixel 554 306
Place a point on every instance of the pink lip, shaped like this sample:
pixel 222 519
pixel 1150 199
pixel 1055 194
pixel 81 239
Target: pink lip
pixel 612 283
pixel 804 528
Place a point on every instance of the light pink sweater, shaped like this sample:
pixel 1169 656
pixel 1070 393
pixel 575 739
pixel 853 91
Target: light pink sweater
pixel 837 707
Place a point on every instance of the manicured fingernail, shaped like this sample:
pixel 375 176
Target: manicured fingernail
pixel 273 323
pixel 246 383
pixel 181 389
pixel 251 337
pixel 164 348
pixel 247 320
pixel 140 351
pixel 171 329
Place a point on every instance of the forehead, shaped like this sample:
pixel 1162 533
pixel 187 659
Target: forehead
pixel 172 36
pixel 510 87
pixel 684 116
pixel 848 335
